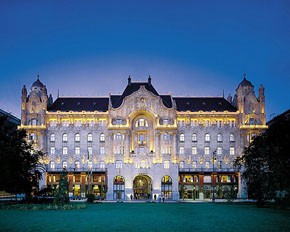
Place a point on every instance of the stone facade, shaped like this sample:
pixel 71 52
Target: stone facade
pixel 142 145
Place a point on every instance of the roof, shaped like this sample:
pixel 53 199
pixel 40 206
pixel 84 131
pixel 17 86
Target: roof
pixel 37 83
pixel 131 88
pixel 11 118
pixel 206 104
pixel 80 104
pixel 193 104
pixel 245 82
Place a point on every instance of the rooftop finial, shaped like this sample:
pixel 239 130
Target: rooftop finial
pixel 244 75
pixel 129 80
pixel 149 80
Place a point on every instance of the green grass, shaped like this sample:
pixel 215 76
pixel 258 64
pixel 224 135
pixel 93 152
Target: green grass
pixel 149 217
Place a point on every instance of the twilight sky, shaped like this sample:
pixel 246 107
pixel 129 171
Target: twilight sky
pixel 190 48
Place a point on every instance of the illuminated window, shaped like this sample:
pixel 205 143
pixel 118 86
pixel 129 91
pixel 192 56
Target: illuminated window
pixel 166 136
pixel 77 137
pixel 64 137
pixel 65 123
pixel 194 150
pixel 52 138
pixel 90 150
pixel 166 164
pixel 52 123
pixel 207 137
pixel 102 165
pixel 33 122
pixel 77 164
pixel 78 123
pixel 102 150
pixel 219 151
pixel 118 136
pixel 64 164
pixel 181 150
pixel 181 164
pixel 32 137
pixel 232 138
pixel 219 123
pixel 181 137
pixel 206 150
pixel 206 165
pixel 194 123
pixel 232 150
pixel 141 123
pixel 64 150
pixel 90 165
pixel 77 150
pixel 52 166
pixel 165 121
pixel 118 164
pixel 91 123
pixel 90 137
pixel 219 138
pixel 207 123
pixel 52 150
pixel 102 137
pixel 220 164
pixel 166 187
pixel 194 137
pixel 102 122
pixel 194 164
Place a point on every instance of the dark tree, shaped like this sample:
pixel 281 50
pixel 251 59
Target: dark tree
pixel 267 162
pixel 19 162
pixel 61 193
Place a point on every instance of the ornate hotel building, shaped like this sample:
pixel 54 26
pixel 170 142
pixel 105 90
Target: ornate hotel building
pixel 141 144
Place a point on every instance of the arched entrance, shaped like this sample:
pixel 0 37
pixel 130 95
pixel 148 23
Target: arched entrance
pixel 142 187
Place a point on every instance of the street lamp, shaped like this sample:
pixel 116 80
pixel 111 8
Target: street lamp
pixel 212 181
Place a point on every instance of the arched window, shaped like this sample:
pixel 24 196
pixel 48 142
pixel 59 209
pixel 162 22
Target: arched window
pixel 118 136
pixel 119 188
pixel 181 137
pixel 219 138
pixel 207 138
pixel 102 137
pixel 64 137
pixel 232 138
pixel 52 138
pixel 166 187
pixel 90 137
pixel 32 137
pixel 77 137
pixel 166 136
pixel 194 137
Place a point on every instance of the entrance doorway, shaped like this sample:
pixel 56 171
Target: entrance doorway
pixel 142 186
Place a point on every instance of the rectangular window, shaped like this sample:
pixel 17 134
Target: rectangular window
pixel 194 164
pixel 64 150
pixel 77 165
pixel 219 151
pixel 90 165
pixel 181 150
pixel 219 123
pixel 65 123
pixel 102 122
pixel 64 164
pixel 52 150
pixel 90 150
pixel 102 150
pixel 53 123
pixel 166 164
pixel 194 150
pixel 194 123
pixel 102 165
pixel 232 151
pixel 232 123
pixel 78 123
pixel 206 150
pixel 181 164
pixel 118 164
pixel 206 165
pixel 207 123
pixel 52 166
pixel 77 150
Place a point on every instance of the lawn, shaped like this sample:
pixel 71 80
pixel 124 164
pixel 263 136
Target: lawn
pixel 149 217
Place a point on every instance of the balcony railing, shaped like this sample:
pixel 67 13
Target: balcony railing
pixel 208 170
pixel 76 169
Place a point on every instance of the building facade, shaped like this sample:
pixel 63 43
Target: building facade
pixel 143 145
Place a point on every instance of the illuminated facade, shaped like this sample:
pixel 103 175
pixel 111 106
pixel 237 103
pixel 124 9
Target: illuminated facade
pixel 143 145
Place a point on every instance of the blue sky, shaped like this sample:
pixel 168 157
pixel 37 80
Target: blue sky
pixel 190 48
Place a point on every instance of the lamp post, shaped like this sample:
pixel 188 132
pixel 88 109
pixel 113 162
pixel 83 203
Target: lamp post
pixel 212 181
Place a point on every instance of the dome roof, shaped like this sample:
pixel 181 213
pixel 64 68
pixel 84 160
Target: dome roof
pixel 37 83
pixel 245 82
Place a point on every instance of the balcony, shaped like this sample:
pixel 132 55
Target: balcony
pixel 77 169
pixel 224 170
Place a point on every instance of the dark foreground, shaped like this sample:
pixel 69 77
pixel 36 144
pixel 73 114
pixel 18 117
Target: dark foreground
pixel 149 217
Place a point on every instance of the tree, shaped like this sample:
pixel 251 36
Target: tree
pixel 61 194
pixel 267 162
pixel 19 162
